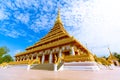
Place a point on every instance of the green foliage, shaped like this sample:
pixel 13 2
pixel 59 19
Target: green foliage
pixel 4 56
pixel 7 58
pixel 3 50
pixel 117 55
pixel 105 57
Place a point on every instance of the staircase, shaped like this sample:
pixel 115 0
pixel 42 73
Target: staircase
pixel 46 66
pixel 60 66
pixel 81 66
pixel 43 67
pixel 68 66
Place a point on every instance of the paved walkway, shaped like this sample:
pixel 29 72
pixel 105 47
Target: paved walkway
pixel 22 74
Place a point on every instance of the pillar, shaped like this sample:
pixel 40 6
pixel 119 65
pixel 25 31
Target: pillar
pixel 50 57
pixel 60 53
pixel 55 67
pixel 43 58
pixel 28 67
pixel 27 57
pixel 17 59
pixel 72 51
pixel 36 56
pixel 21 58
pixel 32 57
pixel 24 58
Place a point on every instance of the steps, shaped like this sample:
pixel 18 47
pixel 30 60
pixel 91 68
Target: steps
pixel 43 67
pixel 68 66
pixel 46 66
pixel 81 66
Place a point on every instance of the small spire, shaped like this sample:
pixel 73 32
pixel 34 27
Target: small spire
pixel 111 56
pixel 109 50
pixel 58 19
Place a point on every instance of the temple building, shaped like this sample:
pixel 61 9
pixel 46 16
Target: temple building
pixel 112 59
pixel 54 45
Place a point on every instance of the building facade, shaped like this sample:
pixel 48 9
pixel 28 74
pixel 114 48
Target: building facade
pixel 54 45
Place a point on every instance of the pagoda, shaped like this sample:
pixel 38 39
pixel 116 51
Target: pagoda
pixel 56 44
pixel 112 59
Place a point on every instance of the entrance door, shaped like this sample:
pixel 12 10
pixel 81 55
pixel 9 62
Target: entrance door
pixel 46 58
pixel 66 53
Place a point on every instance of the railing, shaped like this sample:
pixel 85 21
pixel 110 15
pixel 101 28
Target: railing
pixel 29 62
pixel 36 61
pixel 3 64
pixel 77 58
pixel 103 61
pixel 18 62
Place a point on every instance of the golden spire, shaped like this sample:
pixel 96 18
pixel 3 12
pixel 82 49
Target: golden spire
pixel 111 56
pixel 110 52
pixel 58 19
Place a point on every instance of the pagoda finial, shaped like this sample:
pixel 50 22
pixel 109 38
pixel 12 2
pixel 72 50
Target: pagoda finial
pixel 109 51
pixel 111 56
pixel 58 19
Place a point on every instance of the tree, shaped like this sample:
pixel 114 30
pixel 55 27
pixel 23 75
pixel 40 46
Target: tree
pixel 3 50
pixel 117 55
pixel 4 56
pixel 105 57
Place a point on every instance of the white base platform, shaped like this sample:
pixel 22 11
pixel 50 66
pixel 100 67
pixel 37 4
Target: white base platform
pixel 81 66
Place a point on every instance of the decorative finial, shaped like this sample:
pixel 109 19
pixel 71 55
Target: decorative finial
pixel 58 19
pixel 109 51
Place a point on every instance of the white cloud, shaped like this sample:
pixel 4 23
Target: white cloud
pixel 12 34
pixel 41 23
pixel 16 51
pixel 99 24
pixel 3 14
pixel 10 31
pixel 96 22
pixel 24 18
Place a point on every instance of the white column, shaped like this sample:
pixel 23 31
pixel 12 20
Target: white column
pixel 36 56
pixel 27 57
pixel 24 58
pixel 60 53
pixel 32 57
pixel 43 58
pixel 21 58
pixel 28 67
pixel 50 57
pixel 72 51
pixel 55 67
pixel 18 59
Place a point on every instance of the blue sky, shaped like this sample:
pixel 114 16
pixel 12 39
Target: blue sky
pixel 95 23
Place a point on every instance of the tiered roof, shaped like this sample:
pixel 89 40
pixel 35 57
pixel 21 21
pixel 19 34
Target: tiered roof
pixel 56 37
